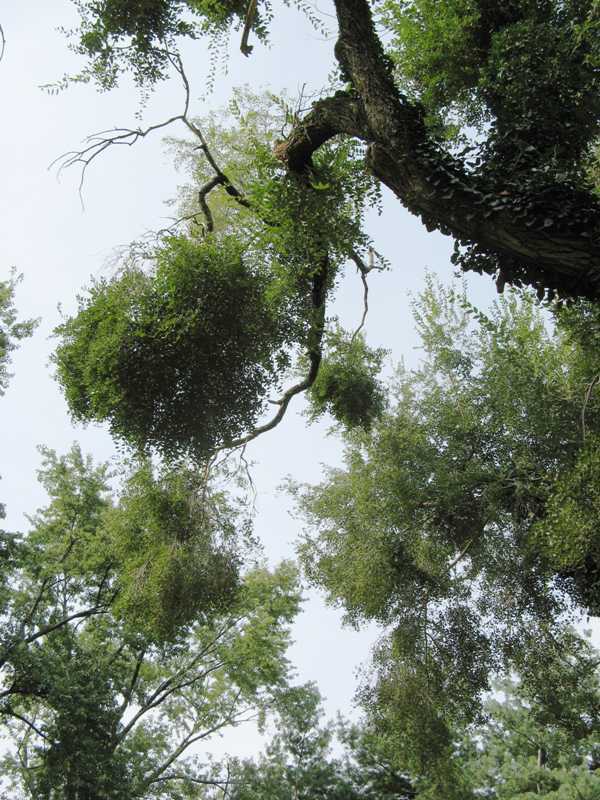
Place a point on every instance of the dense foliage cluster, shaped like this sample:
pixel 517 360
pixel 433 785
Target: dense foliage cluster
pixel 347 385
pixel 180 359
pixel 473 500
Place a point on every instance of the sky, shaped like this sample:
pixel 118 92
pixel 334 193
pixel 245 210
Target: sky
pixel 57 243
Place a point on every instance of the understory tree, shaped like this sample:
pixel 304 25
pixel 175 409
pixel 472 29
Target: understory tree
pixel 131 634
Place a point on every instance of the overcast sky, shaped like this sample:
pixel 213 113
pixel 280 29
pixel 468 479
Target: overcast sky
pixel 57 245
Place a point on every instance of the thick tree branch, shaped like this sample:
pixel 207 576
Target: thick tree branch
pixel 546 250
pixel 339 114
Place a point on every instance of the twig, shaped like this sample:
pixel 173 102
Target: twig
pixel 586 400
pixel 2 42
pixel 97 143
pixel 364 270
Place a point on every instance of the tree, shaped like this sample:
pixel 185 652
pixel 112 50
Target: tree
pixel 473 501
pixel 11 331
pixel 298 761
pixel 129 636
pixel 519 749
pixel 468 476
pixel 278 205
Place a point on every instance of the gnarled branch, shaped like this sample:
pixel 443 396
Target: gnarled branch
pixel 557 252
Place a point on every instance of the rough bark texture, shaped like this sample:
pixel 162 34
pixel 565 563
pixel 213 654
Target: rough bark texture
pixel 547 249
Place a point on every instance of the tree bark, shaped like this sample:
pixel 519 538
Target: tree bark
pixel 544 248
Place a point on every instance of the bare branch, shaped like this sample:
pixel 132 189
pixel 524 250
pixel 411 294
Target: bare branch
pixel 30 725
pixel 97 143
pixel 364 270
pixel 2 43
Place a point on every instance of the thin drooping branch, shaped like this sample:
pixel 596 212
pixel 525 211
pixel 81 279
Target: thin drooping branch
pixel 11 713
pixel 315 355
pixel 363 270
pixel 218 784
pixel 128 693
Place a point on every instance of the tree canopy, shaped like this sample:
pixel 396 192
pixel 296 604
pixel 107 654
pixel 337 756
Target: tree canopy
pixel 130 633
pixel 519 202
pixel 472 499
pixel 464 521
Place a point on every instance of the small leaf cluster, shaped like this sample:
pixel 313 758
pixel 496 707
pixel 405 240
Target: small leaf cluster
pixel 347 385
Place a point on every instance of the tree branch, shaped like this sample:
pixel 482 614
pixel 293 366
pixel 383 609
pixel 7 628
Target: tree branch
pixel 315 354
pixel 363 270
pixel 250 15
pixel 547 250
pixel 27 722
pixel 187 741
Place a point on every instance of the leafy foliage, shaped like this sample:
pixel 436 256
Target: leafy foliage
pixel 180 360
pixel 95 706
pixel 300 760
pixel 11 331
pixel 448 500
pixel 523 75
pixel 522 752
pixel 523 747
pixel 179 550
pixel 119 36
pixel 347 384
